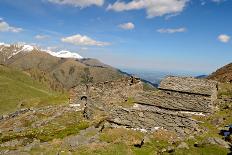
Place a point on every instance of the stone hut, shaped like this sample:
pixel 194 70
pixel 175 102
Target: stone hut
pixel 190 85
pixel 182 94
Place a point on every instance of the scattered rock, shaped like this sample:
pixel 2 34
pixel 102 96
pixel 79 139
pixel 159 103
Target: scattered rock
pixel 87 136
pixel 34 144
pixel 140 144
pixel 170 149
pixel 215 141
pixel 183 145
pixel 217 121
pixel 163 150
pixel 12 143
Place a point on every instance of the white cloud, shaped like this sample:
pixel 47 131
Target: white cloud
pixel 153 8
pixel 127 26
pixel 41 37
pixel 83 41
pixel 224 38
pixel 79 3
pixel 5 27
pixel 177 30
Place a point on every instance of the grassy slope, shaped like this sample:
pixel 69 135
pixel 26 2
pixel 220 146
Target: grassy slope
pixel 18 88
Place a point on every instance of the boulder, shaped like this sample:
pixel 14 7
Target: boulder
pixel 183 145
pixel 216 141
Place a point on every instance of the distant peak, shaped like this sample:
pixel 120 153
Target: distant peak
pixel 25 48
pixel 64 54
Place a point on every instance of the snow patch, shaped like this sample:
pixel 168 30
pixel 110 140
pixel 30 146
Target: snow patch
pixel 64 54
pixel 3 44
pixel 139 129
pixel 22 48
pixel 193 113
pixel 27 48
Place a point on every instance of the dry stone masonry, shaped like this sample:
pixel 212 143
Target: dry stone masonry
pixel 182 93
pixel 170 107
pixel 190 85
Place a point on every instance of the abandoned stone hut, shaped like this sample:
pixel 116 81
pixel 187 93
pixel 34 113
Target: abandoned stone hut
pixel 201 93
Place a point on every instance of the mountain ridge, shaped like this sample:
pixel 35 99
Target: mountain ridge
pixel 223 74
pixel 65 67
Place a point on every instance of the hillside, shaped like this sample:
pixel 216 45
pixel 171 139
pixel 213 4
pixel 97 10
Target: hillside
pixel 19 90
pixel 63 67
pixel 223 74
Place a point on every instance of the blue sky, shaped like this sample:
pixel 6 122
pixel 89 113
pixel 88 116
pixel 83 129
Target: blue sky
pixel 166 35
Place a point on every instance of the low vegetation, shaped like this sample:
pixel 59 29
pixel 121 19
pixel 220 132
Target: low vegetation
pixel 19 90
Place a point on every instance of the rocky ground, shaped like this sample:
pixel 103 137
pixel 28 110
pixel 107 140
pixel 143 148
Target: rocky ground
pixel 62 129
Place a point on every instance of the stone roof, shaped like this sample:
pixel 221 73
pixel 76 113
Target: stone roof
pixel 189 85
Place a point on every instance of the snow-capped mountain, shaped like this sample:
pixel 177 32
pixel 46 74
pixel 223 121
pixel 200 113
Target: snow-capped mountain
pixel 8 51
pixel 64 54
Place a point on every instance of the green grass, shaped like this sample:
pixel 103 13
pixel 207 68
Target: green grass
pixel 225 90
pixel 18 88
pixel 128 103
pixel 63 126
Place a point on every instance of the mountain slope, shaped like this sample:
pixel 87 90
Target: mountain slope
pixel 19 90
pixel 63 67
pixel 223 74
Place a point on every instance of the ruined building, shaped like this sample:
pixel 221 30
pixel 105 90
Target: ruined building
pixel 127 104
pixel 182 94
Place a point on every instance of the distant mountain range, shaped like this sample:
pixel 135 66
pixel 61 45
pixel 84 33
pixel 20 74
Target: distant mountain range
pixel 155 77
pixel 11 50
pixel 60 69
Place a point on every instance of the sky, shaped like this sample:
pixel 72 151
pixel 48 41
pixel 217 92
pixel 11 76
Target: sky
pixel 162 35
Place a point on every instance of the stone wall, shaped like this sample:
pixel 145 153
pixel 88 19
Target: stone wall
pixel 109 92
pixel 189 85
pixel 151 118
pixel 176 101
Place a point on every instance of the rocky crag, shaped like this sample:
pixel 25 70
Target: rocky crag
pixel 127 104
